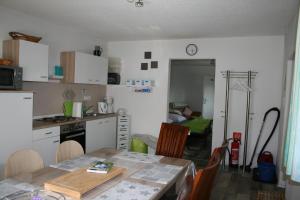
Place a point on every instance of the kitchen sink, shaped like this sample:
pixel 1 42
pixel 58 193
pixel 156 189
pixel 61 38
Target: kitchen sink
pixel 91 115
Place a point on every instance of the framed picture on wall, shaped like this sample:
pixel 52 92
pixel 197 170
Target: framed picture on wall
pixel 148 55
pixel 154 64
pixel 144 66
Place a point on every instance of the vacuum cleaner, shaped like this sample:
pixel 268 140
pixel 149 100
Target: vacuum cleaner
pixel 265 171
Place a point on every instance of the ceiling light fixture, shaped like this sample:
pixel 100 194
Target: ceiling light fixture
pixel 138 3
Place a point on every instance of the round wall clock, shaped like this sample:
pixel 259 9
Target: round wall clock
pixel 191 49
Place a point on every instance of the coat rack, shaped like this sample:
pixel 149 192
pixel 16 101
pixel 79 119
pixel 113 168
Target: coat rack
pixel 249 75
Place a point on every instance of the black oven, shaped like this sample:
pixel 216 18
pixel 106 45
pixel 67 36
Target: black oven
pixel 73 131
pixel 11 77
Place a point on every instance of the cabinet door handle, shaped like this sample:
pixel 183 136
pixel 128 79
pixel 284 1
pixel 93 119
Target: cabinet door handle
pixel 48 133
pixel 90 80
pixel 27 98
pixel 97 81
pixel 44 76
pixel 56 141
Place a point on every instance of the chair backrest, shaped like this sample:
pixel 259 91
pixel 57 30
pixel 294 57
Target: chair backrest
pixel 68 150
pixel 220 150
pixel 171 140
pixel 204 180
pixel 23 161
pixel 224 148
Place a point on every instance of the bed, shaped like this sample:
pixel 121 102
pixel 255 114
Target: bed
pixel 200 130
pixel 199 126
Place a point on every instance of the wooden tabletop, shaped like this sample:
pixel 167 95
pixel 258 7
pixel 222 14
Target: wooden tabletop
pixel 41 176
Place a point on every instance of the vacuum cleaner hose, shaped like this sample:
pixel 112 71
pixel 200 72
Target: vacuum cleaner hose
pixel 273 130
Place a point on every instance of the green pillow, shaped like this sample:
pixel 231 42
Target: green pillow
pixel 138 145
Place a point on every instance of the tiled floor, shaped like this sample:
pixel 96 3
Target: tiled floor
pixel 199 156
pixel 232 185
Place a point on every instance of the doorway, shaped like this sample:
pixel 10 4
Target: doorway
pixel 191 104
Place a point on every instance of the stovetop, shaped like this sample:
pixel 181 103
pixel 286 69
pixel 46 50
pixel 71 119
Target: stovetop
pixel 56 119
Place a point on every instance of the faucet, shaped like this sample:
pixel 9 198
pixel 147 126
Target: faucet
pixel 85 109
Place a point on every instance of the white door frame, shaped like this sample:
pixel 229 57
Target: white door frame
pixel 169 79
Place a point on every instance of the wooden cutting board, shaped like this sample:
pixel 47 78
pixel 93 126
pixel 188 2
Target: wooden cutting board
pixel 77 183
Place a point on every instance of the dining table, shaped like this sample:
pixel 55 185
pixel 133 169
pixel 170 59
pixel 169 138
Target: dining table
pixel 145 177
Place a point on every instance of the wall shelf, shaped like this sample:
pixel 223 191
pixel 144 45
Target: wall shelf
pixel 54 77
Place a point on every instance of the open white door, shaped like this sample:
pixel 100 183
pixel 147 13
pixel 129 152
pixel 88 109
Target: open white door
pixel 208 97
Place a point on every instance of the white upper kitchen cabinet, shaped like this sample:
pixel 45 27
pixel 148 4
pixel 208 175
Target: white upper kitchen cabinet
pixel 84 68
pixel 31 56
pixel 101 133
pixel 15 123
pixel 100 73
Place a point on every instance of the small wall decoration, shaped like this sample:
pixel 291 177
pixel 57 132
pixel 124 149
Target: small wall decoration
pixel 147 55
pixel 144 66
pixel 154 64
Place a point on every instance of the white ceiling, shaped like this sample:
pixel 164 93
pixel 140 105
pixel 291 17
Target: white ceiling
pixel 165 19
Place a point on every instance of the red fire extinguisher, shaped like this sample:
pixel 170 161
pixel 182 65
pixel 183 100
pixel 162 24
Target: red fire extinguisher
pixel 235 148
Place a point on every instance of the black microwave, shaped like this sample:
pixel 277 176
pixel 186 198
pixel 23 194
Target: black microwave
pixel 11 77
pixel 113 78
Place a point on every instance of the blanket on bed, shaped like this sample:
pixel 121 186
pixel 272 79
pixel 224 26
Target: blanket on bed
pixel 197 124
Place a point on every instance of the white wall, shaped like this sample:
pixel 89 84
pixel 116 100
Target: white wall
pixel 261 54
pixel 186 84
pixel 58 37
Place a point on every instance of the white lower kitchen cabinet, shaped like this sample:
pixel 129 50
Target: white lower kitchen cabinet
pixel 101 133
pixel 15 123
pixel 45 142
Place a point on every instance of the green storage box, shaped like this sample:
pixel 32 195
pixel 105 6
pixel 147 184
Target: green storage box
pixel 138 145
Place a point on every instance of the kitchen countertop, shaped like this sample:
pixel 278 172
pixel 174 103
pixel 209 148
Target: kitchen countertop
pixel 16 91
pixel 42 124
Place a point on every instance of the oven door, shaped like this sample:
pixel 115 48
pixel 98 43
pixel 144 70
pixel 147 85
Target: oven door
pixel 78 136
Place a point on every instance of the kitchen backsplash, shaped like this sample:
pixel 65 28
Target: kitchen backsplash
pixel 48 97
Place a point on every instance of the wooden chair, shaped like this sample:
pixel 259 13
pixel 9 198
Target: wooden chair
pixel 68 150
pixel 171 141
pixel 221 150
pixel 204 180
pixel 23 161
pixel 224 148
